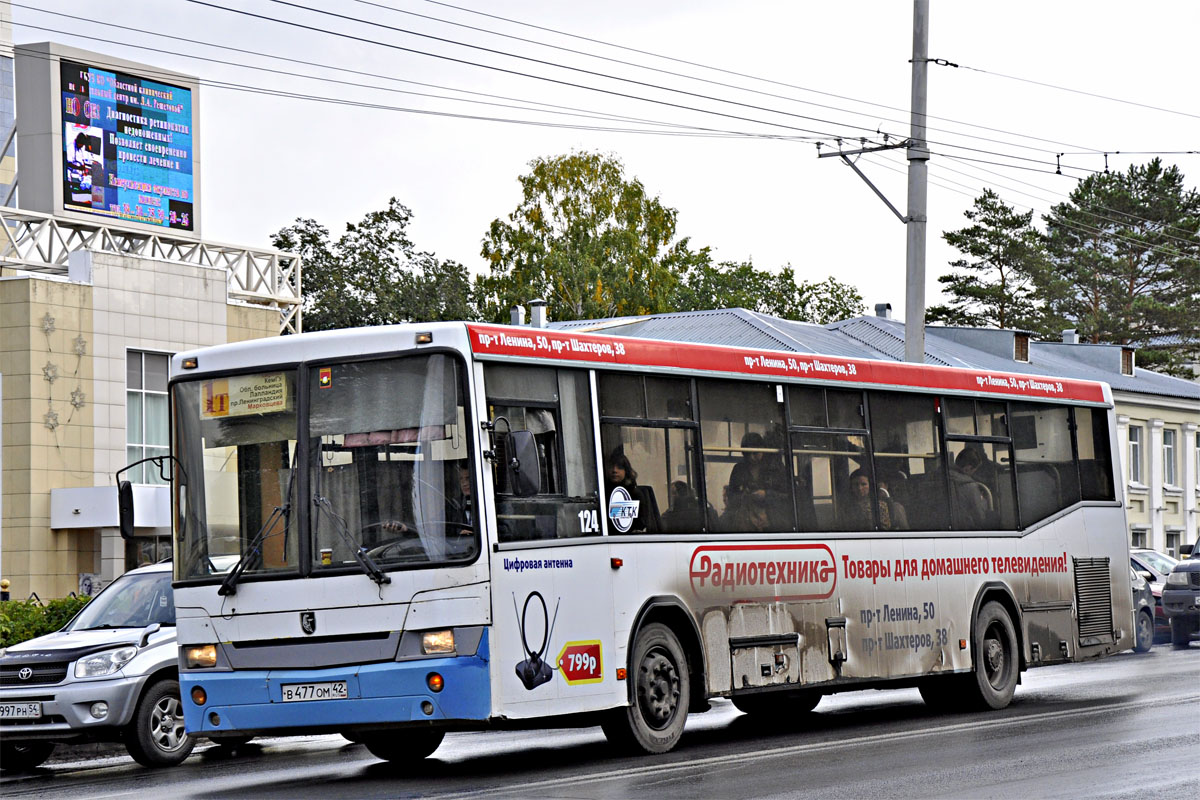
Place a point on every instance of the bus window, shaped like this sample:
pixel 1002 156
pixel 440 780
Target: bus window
pixel 1095 467
pixel 822 466
pixel 908 455
pixel 982 496
pixel 1047 478
pixel 741 428
pixel 648 440
pixel 556 407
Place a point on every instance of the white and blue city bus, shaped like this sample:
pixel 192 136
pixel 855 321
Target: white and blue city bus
pixel 396 532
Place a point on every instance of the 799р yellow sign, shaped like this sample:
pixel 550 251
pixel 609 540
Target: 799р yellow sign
pixel 244 395
pixel 581 662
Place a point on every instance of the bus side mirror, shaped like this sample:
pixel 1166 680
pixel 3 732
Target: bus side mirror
pixel 524 472
pixel 125 508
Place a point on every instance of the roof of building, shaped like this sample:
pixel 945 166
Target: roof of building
pixel 883 338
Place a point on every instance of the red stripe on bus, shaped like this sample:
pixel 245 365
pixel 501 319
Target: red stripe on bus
pixel 598 349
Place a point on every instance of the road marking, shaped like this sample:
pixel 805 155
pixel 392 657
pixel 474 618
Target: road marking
pixel 739 759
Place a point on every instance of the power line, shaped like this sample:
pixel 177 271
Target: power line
pixel 575 69
pixel 943 62
pixel 685 76
pixel 737 74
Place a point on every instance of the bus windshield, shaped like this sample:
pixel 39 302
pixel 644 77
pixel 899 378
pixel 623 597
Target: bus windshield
pixel 387 473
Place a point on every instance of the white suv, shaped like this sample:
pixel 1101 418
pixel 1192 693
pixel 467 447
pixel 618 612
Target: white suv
pixel 110 674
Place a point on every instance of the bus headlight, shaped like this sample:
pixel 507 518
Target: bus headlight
pixel 437 642
pixel 106 663
pixel 200 656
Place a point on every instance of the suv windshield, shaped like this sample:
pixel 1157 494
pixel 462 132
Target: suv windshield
pixel 131 601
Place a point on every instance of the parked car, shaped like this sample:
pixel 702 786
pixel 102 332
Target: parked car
pixel 110 674
pixel 1181 601
pixel 1143 612
pixel 1154 567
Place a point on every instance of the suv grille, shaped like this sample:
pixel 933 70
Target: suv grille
pixel 42 674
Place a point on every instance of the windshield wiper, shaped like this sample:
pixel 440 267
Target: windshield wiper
pixel 365 562
pixel 229 585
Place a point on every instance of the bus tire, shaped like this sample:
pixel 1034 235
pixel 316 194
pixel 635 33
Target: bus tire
pixel 996 664
pixel 1144 633
pixel 23 756
pixel 785 704
pixel 654 719
pixel 156 736
pixel 404 747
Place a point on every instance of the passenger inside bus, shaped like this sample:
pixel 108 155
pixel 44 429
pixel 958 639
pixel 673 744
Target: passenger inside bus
pixel 890 485
pixel 971 498
pixel 855 511
pixel 760 475
pixel 619 472
pixel 683 512
pixel 746 512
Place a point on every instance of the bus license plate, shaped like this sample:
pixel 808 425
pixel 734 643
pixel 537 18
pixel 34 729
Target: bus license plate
pixel 297 692
pixel 20 710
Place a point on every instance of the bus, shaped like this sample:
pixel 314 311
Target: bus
pixel 395 532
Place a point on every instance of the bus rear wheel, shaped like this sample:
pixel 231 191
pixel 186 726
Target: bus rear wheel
pixel 654 719
pixel 403 747
pixel 996 664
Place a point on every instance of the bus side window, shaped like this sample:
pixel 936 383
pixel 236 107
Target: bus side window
pixel 555 406
pixel 907 449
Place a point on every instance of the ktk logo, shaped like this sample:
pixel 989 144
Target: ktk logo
pixel 308 622
pixel 25 673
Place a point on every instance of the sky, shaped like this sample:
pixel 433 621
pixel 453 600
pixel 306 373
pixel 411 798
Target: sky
pixel 737 95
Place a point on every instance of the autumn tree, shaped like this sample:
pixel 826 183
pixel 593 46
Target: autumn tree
pixel 1125 263
pixel 585 238
pixel 995 283
pixel 704 285
pixel 373 274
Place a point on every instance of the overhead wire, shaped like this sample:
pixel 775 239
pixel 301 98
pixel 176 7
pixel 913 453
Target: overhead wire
pixel 646 84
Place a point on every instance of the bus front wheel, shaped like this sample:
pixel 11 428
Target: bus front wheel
pixel 403 747
pixel 654 719
pixel 994 677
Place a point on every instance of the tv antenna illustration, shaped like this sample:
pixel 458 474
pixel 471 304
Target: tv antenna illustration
pixel 534 671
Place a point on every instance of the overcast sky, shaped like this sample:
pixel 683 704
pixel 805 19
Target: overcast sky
pixel 829 70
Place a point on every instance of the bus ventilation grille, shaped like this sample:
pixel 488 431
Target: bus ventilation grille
pixel 1093 597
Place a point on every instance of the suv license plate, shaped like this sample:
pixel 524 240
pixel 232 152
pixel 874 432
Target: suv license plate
pixel 20 710
pixel 297 692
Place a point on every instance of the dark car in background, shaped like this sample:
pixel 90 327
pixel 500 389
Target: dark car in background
pixel 1181 601
pixel 1154 567
pixel 1143 613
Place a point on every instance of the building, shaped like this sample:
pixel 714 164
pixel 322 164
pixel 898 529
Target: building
pixel 1158 416
pixel 103 275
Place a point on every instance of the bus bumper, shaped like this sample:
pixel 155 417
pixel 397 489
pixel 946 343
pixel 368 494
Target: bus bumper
pixel 392 692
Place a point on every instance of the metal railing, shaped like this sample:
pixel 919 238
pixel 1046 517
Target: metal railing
pixel 38 242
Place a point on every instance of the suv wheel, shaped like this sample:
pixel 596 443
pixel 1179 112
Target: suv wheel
pixel 156 737
pixel 24 756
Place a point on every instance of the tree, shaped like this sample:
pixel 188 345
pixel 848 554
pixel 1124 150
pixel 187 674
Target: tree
pixel 1125 263
pixel 584 238
pixel 995 283
pixel 373 274
pixel 705 285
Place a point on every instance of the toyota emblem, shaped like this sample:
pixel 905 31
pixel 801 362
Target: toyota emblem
pixel 24 673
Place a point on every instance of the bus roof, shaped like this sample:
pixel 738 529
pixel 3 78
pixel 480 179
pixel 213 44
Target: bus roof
pixel 599 349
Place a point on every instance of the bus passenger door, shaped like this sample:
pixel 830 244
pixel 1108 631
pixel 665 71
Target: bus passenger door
pixel 552 593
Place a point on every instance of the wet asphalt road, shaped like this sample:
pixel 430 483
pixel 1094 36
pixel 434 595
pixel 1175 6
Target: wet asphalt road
pixel 1128 726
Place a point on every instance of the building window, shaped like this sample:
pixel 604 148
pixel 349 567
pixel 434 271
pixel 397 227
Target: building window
pixel 1126 361
pixel 1170 478
pixel 1135 453
pixel 145 413
pixel 1137 538
pixel 1021 347
pixel 1173 545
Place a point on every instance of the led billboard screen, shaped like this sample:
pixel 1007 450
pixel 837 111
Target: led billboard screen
pixel 127 147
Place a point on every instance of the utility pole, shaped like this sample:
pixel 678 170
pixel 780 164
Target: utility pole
pixel 918 190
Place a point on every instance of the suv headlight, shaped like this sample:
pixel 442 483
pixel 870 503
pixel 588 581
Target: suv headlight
pixel 106 663
pixel 1177 578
